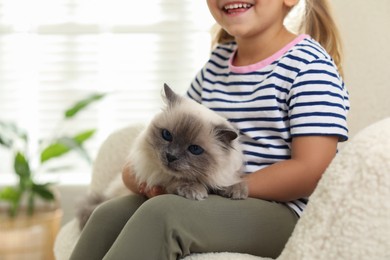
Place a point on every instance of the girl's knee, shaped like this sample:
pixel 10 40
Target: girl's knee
pixel 163 208
pixel 118 208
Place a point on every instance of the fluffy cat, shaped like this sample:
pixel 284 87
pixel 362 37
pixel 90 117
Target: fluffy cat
pixel 188 149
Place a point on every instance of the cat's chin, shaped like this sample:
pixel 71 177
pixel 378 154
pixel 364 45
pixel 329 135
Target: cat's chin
pixel 175 172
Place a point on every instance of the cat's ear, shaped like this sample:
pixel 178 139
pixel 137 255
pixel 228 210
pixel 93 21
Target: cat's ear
pixel 225 134
pixel 170 96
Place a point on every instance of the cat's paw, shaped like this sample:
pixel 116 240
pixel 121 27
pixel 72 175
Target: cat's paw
pixel 237 191
pixel 193 191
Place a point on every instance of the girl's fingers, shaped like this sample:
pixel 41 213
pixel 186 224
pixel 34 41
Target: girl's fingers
pixel 150 192
pixel 142 188
pixel 154 191
pixel 157 190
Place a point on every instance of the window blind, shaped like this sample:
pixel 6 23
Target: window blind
pixel 54 52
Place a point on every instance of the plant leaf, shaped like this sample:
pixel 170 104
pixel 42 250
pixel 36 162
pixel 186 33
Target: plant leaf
pixel 13 197
pixel 5 140
pixel 80 139
pixel 9 132
pixel 82 104
pixel 65 144
pixel 10 194
pixel 21 166
pixel 43 191
pixel 54 150
pixel 83 136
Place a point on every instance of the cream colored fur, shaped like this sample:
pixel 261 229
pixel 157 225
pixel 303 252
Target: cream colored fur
pixel 150 170
pixel 348 216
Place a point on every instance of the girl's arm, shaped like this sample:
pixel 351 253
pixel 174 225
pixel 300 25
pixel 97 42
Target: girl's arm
pixel 129 179
pixel 131 183
pixel 297 177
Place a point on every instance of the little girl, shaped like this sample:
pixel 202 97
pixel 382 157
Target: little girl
pixel 285 94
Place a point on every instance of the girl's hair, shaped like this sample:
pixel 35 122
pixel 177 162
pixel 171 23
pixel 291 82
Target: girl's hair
pixel 317 22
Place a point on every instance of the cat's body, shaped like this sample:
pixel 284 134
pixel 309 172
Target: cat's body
pixel 189 150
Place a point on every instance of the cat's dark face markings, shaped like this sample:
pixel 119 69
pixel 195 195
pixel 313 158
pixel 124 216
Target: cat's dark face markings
pixel 225 136
pixel 181 146
pixel 193 148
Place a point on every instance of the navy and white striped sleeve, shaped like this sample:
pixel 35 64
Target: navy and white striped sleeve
pixel 318 102
pixel 195 90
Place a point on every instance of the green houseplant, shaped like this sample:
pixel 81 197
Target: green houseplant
pixel 25 193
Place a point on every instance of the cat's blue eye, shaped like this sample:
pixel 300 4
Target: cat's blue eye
pixel 195 149
pixel 166 135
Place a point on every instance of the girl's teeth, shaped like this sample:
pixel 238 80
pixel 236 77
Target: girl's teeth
pixel 236 6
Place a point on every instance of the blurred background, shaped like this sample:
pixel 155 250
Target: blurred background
pixel 54 52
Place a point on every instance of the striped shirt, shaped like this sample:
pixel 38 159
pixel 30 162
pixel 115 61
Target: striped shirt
pixel 295 92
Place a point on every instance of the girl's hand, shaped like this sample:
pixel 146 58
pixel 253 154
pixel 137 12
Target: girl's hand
pixel 150 192
pixel 131 183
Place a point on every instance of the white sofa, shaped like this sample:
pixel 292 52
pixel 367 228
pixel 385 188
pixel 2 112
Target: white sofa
pixel 348 216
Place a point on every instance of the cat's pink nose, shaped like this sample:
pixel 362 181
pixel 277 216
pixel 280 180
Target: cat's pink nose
pixel 171 157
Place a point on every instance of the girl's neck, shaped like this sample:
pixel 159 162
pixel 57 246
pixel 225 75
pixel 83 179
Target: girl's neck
pixel 254 49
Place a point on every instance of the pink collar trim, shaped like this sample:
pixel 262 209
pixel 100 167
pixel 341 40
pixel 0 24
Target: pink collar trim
pixel 267 61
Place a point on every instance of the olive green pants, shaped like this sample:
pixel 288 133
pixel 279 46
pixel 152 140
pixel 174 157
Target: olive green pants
pixel 171 227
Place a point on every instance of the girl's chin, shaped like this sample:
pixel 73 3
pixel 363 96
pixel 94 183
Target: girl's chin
pixel 237 31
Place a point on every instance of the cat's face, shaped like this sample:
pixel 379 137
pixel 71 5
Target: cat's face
pixel 185 142
pixel 181 146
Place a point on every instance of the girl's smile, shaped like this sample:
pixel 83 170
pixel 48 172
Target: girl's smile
pixel 236 8
pixel 256 25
